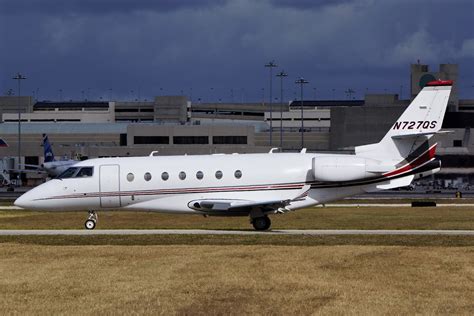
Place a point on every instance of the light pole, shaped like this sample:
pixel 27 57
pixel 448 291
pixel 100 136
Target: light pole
pixel 349 92
pixel 19 77
pixel 271 65
pixel 301 82
pixel 281 75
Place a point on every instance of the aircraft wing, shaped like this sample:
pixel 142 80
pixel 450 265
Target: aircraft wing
pixel 217 205
pixel 36 171
pixel 237 206
pixel 31 166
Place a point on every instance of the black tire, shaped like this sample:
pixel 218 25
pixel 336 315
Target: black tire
pixel 261 223
pixel 89 224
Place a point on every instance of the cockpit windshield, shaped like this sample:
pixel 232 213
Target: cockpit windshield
pixel 84 172
pixel 77 172
pixel 69 173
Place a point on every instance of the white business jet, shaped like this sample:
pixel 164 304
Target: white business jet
pixel 254 185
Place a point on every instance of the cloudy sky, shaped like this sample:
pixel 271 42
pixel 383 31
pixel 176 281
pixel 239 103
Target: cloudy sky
pixel 216 49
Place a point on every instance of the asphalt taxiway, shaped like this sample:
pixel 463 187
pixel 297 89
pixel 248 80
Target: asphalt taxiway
pixel 310 232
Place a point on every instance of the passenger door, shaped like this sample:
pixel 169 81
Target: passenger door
pixel 109 185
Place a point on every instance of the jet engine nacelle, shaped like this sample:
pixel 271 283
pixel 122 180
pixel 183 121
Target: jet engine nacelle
pixel 340 168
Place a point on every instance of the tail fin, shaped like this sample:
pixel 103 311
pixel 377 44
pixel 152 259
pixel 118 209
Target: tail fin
pixel 3 143
pixel 48 150
pixel 410 134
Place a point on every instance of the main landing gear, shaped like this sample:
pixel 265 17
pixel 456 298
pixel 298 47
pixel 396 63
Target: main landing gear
pixel 91 220
pixel 261 223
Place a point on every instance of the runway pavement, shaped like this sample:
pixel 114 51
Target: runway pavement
pixel 383 205
pixel 231 232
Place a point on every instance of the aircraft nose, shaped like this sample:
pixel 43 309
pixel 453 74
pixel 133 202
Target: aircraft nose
pixel 37 198
pixel 24 201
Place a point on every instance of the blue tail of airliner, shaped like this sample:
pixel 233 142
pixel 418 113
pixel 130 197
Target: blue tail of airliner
pixel 48 150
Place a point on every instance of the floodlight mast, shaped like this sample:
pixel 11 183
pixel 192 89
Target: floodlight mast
pixel 19 77
pixel 271 65
pixel 301 82
pixel 281 75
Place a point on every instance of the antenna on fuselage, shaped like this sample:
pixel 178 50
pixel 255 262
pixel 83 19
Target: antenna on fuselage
pixel 153 153
pixel 303 151
pixel 272 150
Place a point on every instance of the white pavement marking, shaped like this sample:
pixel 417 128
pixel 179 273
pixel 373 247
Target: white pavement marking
pixel 311 232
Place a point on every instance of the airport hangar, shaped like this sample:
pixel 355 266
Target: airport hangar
pixel 175 125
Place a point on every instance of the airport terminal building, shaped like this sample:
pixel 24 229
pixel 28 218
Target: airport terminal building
pixel 175 125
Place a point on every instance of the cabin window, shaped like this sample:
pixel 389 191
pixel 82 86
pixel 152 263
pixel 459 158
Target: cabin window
pixel 165 176
pixel 238 174
pixel 219 174
pixel 69 173
pixel 147 176
pixel 85 172
pixel 130 177
pixel 199 175
pixel 182 175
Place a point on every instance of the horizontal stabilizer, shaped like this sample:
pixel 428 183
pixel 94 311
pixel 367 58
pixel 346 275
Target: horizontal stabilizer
pixel 421 134
pixel 390 184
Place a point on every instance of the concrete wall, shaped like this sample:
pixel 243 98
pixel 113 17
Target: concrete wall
pixel 314 119
pixel 189 130
pixel 313 141
pixel 171 109
pixel 10 104
pixel 63 116
pixel 354 126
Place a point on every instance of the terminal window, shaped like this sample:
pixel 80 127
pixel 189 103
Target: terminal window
pixel 31 161
pixel 219 140
pixel 151 140
pixel 457 143
pixel 182 140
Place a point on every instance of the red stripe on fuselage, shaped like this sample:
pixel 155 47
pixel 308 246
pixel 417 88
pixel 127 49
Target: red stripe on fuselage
pixel 426 156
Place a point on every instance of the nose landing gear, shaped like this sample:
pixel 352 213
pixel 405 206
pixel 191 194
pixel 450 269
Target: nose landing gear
pixel 91 220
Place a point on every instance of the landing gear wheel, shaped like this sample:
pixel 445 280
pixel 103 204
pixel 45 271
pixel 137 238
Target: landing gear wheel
pixel 261 223
pixel 89 224
pixel 91 220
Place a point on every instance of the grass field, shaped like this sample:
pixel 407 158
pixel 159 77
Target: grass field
pixel 446 217
pixel 235 280
pixel 235 275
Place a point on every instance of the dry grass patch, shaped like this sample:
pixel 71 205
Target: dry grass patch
pixel 227 240
pixel 235 279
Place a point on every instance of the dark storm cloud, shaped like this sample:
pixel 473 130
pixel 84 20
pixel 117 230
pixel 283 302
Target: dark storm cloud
pixel 219 47
pixel 101 6
pixel 307 4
